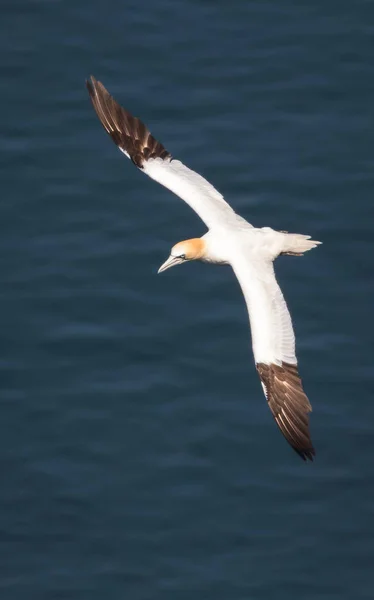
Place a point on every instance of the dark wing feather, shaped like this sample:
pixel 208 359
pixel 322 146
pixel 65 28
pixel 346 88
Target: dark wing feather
pixel 289 405
pixel 127 132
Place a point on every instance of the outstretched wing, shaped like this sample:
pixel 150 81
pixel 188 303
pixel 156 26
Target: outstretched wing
pixel 273 343
pixel 136 142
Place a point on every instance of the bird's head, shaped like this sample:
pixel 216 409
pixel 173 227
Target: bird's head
pixel 183 252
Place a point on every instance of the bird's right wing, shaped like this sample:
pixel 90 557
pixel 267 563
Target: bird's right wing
pixel 273 343
pixel 135 140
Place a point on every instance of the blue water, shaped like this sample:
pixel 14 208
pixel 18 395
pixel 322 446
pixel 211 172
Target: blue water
pixel 138 457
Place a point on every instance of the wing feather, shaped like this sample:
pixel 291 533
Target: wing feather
pixel 273 344
pixel 135 140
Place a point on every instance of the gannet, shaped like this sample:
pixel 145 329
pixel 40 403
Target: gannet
pixel 230 240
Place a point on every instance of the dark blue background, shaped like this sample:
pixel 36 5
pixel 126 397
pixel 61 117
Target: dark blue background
pixel 138 457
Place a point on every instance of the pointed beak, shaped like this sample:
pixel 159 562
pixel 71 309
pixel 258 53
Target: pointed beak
pixel 172 261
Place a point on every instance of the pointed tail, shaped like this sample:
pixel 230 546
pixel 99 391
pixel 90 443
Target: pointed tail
pixel 296 244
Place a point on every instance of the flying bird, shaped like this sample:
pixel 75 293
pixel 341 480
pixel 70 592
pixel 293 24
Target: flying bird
pixel 230 240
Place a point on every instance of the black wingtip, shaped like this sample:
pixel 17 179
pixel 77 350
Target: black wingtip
pixel 90 85
pixel 306 455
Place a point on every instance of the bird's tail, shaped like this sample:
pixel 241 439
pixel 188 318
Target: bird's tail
pixel 296 244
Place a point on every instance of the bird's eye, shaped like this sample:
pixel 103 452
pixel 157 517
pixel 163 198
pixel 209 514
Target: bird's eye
pixel 183 256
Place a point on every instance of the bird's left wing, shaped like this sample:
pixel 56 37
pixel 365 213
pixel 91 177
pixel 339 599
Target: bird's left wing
pixel 135 140
pixel 273 343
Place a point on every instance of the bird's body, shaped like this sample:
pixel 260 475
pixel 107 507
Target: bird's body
pixel 230 240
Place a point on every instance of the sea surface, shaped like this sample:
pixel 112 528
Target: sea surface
pixel 139 460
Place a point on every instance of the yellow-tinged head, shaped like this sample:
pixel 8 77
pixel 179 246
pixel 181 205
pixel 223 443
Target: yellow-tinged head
pixel 184 251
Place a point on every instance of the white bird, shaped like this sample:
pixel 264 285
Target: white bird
pixel 230 240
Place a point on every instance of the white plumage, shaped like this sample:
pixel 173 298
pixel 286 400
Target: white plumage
pixel 230 240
